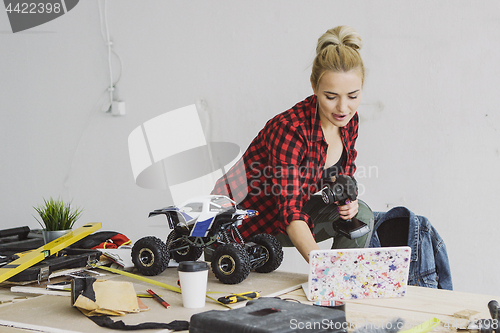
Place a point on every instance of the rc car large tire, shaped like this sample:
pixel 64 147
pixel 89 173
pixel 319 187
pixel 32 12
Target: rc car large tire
pixel 150 255
pixel 274 252
pixel 231 263
pixel 190 254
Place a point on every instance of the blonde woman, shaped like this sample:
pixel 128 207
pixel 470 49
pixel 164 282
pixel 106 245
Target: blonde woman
pixel 302 149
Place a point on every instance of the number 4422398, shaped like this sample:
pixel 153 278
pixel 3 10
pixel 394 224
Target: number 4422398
pixel 34 8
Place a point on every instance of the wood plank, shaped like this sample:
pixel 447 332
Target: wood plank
pixel 16 327
pixel 39 291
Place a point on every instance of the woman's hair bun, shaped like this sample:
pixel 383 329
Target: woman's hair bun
pixel 339 36
pixel 337 51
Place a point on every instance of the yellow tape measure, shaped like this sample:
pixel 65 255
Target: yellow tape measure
pixel 156 283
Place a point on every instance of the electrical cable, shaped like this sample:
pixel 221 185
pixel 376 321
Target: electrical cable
pixel 111 51
pixel 121 66
pixel 109 43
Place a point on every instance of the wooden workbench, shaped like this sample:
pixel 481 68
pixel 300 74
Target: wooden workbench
pixel 55 314
pixel 419 305
pixel 50 313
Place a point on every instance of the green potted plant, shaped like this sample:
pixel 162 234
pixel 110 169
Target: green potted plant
pixel 57 218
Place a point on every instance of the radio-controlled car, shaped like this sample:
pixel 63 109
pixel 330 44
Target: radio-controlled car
pixel 209 222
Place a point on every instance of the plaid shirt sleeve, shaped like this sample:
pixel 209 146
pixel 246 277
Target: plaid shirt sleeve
pixel 287 150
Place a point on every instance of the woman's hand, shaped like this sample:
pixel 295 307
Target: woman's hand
pixel 349 210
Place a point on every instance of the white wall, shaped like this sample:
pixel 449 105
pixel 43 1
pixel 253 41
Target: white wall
pixel 429 118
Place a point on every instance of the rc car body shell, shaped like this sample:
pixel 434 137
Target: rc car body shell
pixel 200 213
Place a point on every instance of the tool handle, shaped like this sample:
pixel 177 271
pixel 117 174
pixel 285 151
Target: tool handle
pixel 238 297
pixel 20 232
pixel 249 294
pixel 493 307
pixel 231 299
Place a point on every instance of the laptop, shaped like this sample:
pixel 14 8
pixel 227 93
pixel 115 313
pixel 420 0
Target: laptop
pixel 357 273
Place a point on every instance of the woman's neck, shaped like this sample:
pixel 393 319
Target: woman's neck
pixel 330 131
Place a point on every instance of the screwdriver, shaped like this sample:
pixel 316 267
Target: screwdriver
pixel 234 298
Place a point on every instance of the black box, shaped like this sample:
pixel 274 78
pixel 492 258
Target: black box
pixel 267 314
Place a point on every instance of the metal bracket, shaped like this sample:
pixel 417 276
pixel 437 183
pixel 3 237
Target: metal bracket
pixel 44 274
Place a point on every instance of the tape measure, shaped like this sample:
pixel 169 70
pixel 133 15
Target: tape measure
pixel 154 282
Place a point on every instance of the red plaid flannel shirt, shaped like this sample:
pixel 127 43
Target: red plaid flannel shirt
pixel 282 167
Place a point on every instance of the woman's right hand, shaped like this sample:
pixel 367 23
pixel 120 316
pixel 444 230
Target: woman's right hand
pixel 349 210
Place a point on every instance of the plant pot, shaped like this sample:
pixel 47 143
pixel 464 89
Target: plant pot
pixel 49 236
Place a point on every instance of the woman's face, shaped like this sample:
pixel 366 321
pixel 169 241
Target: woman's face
pixel 339 95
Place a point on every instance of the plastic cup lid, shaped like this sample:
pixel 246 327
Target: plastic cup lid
pixel 192 266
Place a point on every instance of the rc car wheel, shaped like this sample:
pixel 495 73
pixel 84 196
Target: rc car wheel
pixel 150 255
pixel 191 253
pixel 273 249
pixel 230 263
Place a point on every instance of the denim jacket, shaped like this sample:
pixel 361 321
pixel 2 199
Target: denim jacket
pixel 429 266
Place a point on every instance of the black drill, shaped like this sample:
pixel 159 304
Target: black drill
pixel 345 188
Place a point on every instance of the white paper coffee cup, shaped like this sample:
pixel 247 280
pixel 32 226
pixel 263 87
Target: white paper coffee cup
pixel 193 277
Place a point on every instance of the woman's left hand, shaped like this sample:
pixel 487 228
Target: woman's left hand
pixel 349 210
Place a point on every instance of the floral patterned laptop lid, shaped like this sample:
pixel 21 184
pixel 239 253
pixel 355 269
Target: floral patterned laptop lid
pixel 358 273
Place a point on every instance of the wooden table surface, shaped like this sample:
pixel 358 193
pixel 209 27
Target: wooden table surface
pixel 419 305
pixel 55 314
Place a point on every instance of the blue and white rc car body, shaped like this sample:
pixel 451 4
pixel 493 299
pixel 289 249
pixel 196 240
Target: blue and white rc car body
pixel 201 212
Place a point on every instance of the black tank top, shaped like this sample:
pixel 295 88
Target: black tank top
pixel 335 169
